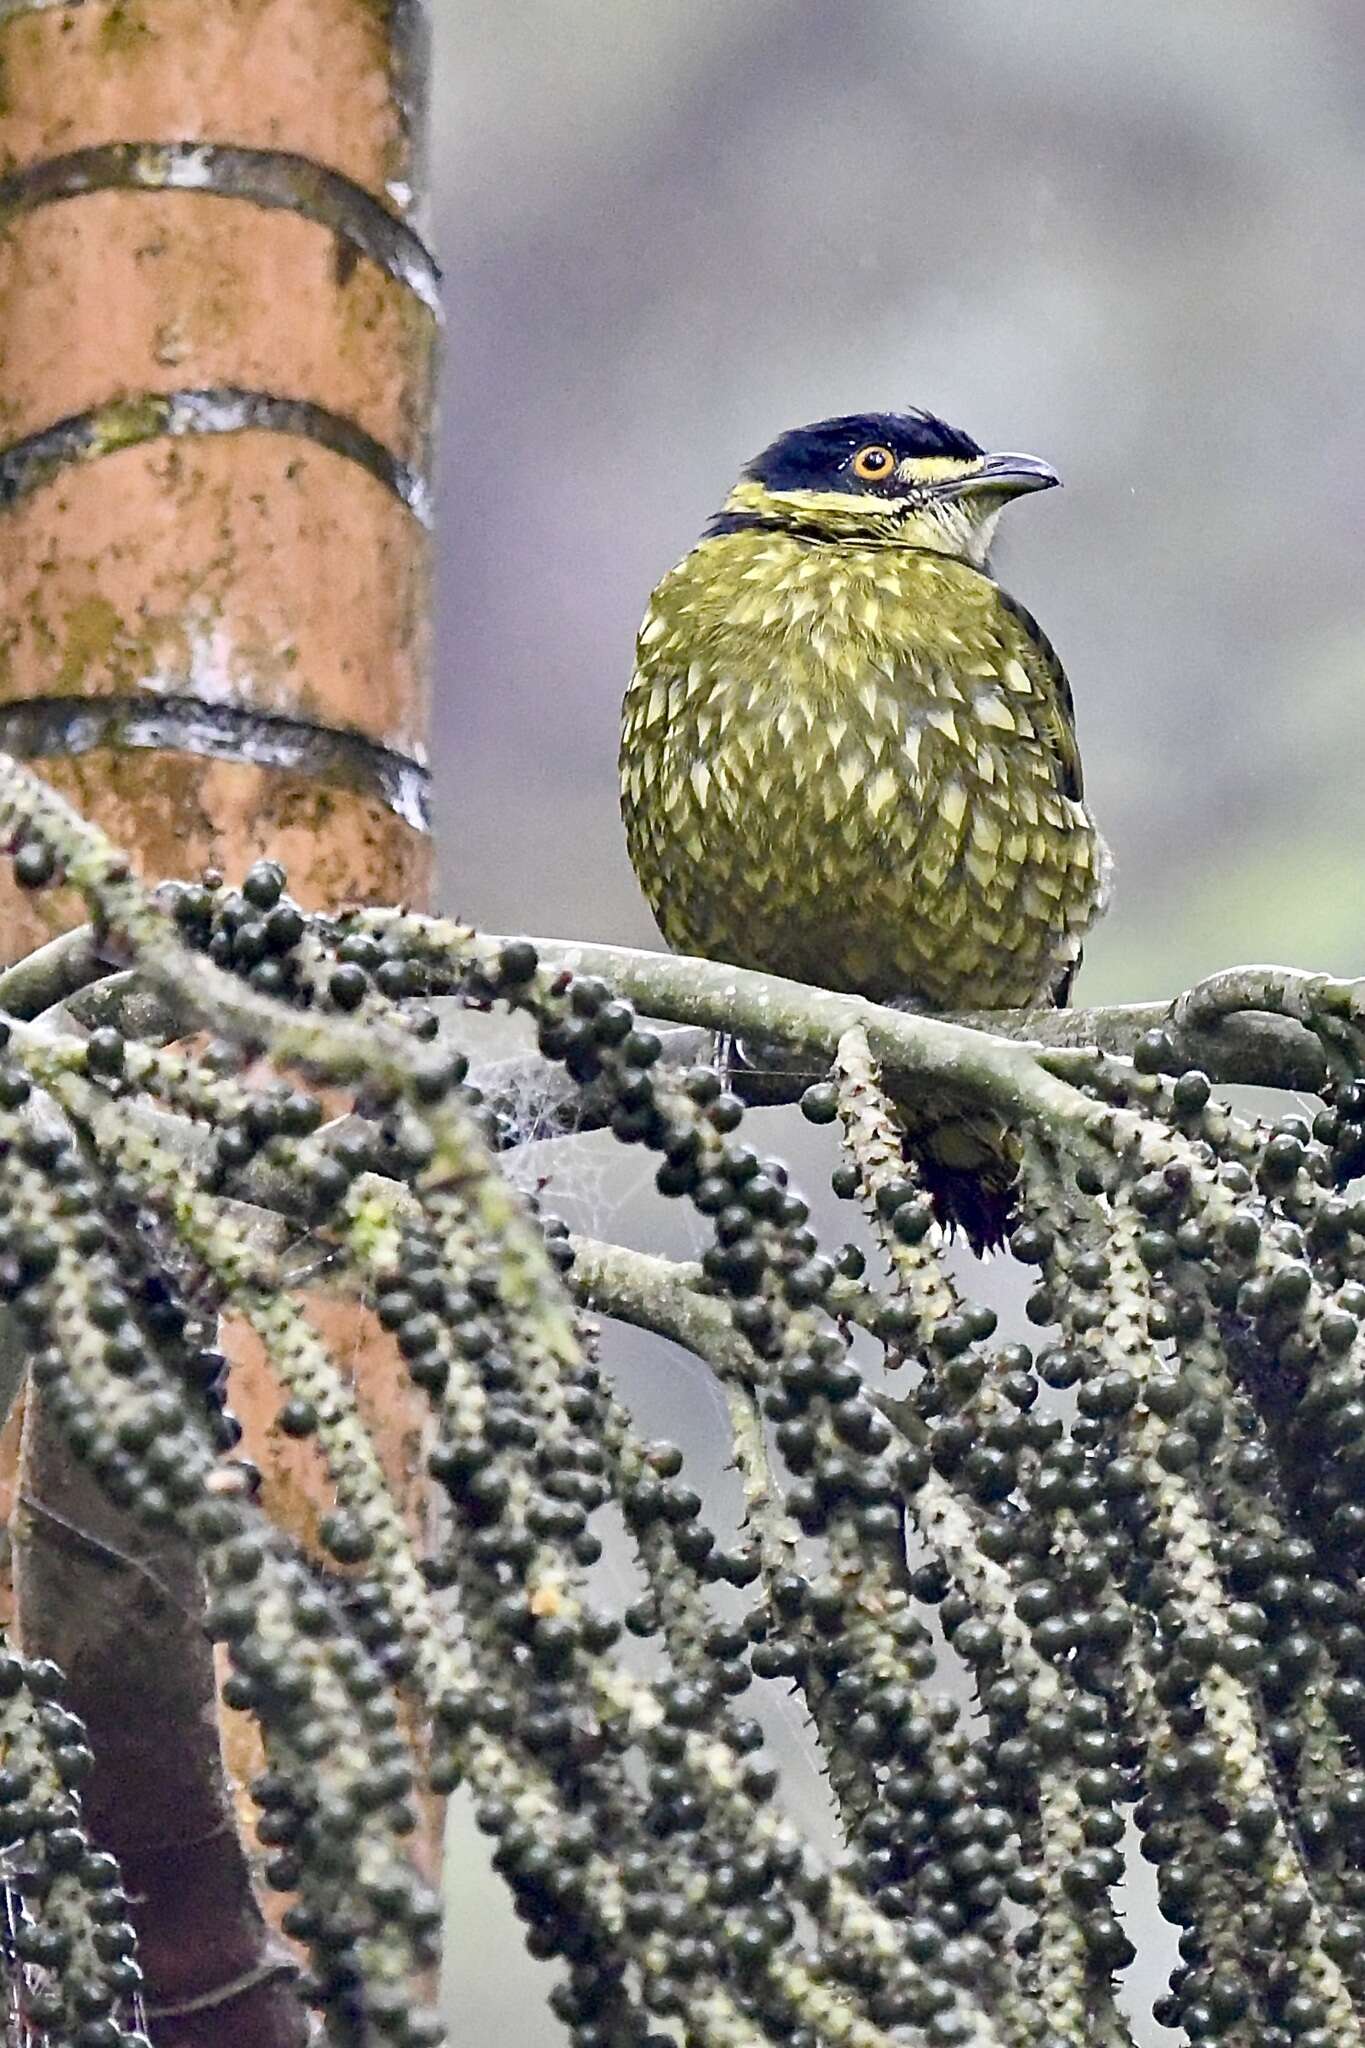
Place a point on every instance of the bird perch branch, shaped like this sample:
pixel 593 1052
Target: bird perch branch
pixel 1271 1027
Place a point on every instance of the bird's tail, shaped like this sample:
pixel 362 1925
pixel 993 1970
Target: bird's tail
pixel 967 1159
pixel 969 1163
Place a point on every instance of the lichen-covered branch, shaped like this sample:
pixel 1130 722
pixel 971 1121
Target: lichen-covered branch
pixel 1252 1026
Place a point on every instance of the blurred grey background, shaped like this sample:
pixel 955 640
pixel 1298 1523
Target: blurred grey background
pixel 1127 239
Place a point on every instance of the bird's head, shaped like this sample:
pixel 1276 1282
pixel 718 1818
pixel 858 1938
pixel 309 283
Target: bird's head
pixel 899 478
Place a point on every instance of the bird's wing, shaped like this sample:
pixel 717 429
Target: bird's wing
pixel 1058 717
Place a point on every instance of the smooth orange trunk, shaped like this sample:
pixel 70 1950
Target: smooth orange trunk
pixel 218 334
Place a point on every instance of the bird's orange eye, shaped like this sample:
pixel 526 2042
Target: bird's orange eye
pixel 873 464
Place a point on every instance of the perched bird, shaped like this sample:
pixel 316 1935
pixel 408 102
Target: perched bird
pixel 849 757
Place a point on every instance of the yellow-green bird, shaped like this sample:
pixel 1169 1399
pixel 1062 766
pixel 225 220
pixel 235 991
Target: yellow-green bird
pixel 849 757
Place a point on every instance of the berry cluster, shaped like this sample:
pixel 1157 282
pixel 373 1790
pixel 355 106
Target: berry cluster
pixel 1134 1542
pixel 69 1945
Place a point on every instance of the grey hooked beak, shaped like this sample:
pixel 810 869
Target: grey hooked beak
pixel 1001 476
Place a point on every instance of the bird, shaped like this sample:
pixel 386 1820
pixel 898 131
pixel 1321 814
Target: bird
pixel 849 757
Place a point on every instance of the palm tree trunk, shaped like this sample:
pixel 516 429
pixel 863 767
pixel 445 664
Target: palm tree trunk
pixel 218 331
